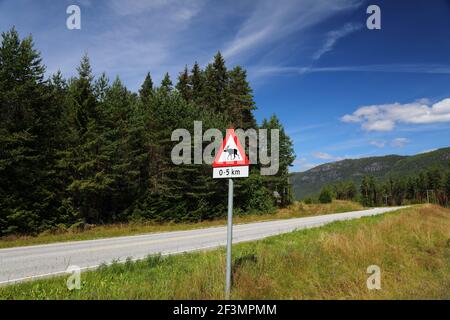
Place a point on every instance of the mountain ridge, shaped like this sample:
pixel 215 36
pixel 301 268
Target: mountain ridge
pixel 310 182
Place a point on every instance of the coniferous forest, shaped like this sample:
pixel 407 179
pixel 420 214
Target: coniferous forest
pixel 86 150
pixel 428 186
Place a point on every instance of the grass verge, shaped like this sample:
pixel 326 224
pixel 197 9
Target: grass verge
pixel 297 210
pixel 411 246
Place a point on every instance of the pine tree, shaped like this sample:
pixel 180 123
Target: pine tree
pixel 121 173
pixel 196 83
pixel 240 99
pixel 447 186
pixel 139 142
pixel 214 93
pixel 365 192
pixel 411 188
pixel 100 87
pixel 83 96
pixel 88 158
pixel 183 86
pixel 422 186
pixel 146 90
pixel 29 138
pixel 280 181
pixel 434 178
pixel 166 83
pixel 351 190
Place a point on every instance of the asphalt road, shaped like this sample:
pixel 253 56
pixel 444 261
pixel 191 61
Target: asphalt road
pixel 25 263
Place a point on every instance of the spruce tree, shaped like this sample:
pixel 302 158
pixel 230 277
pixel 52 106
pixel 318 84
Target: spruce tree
pixel 146 90
pixel 122 171
pixel 183 84
pixel 365 191
pixel 196 83
pixel 280 181
pixel 447 186
pixel 351 190
pixel 240 99
pixel 166 83
pixel 88 158
pixel 29 138
pixel 215 87
pixel 83 96
pixel 100 87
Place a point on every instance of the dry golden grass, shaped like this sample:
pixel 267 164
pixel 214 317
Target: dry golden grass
pixel 116 230
pixel 412 249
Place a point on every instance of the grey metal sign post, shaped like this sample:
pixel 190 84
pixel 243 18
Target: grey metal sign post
pixel 230 162
pixel 229 238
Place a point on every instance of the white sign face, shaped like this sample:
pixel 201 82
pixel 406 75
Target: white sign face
pixel 231 152
pixel 230 172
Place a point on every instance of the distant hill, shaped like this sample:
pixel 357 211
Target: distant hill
pixel 310 182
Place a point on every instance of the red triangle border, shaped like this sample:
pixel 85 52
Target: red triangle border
pixel 242 162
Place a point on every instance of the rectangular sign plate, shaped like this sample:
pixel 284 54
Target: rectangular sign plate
pixel 230 172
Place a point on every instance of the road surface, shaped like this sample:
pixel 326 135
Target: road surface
pixel 25 263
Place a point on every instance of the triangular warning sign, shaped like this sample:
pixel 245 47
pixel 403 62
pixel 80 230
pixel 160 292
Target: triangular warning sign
pixel 231 154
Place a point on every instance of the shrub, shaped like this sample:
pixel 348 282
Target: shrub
pixel 325 196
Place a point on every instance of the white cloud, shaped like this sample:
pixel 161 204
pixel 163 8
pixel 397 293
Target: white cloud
pixel 303 164
pixel 395 143
pixel 399 142
pixel 386 116
pixel 181 9
pixel 322 155
pixel 378 143
pixel 327 156
pixel 334 36
pixel 428 150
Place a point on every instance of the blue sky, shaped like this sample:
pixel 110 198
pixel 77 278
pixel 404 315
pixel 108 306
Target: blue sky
pixel 341 90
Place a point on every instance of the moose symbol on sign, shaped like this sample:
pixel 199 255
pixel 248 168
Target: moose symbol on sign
pixel 232 153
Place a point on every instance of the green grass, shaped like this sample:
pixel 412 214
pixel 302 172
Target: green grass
pixel 411 246
pixel 116 230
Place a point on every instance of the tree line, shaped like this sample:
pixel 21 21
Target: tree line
pixel 88 150
pixel 431 185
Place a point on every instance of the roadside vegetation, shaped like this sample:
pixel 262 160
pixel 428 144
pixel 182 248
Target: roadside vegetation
pixel 428 186
pixel 411 246
pixel 89 232
pixel 87 150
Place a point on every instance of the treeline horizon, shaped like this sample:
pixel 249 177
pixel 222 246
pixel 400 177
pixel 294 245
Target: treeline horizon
pixel 428 186
pixel 86 150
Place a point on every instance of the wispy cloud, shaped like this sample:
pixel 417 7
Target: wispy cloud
pixel 269 23
pixel 302 164
pixel 386 116
pixel 260 71
pixel 141 36
pixel 305 129
pixel 174 10
pixel 334 36
pixel 322 155
pixel 395 143
pixel 378 143
pixel 399 142
pixel 327 156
